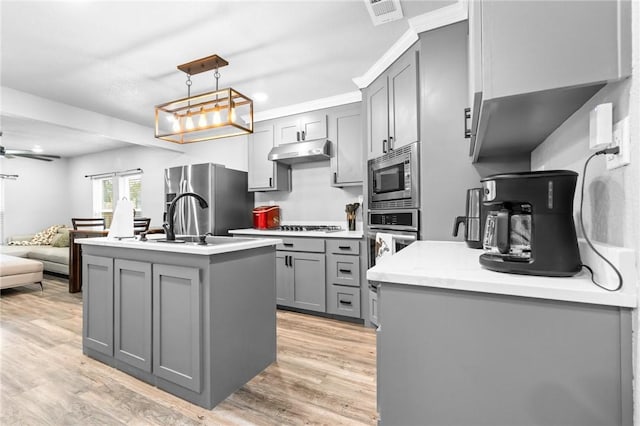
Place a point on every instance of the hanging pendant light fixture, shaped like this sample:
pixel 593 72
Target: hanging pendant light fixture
pixel 218 114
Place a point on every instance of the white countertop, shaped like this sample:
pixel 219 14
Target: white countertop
pixel 233 244
pixel 313 234
pixel 452 265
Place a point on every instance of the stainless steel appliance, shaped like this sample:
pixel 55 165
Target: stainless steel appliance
pixel 394 178
pixel 224 190
pixel 473 220
pixel 389 231
pixel 301 152
pixel 529 228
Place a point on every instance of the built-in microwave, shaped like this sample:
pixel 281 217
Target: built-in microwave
pixel 393 179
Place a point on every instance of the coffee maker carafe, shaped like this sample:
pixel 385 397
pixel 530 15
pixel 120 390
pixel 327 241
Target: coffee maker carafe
pixel 529 227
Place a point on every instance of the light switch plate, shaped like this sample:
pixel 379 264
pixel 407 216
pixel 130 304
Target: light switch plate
pixel 621 139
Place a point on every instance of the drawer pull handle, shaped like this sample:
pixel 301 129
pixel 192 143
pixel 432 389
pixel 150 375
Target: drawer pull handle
pixel 287 244
pixel 345 271
pixel 345 302
pixel 344 247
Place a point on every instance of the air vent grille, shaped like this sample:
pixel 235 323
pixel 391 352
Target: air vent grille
pixel 382 11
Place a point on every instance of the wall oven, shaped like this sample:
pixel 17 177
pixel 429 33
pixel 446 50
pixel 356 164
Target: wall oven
pixel 393 179
pixel 389 231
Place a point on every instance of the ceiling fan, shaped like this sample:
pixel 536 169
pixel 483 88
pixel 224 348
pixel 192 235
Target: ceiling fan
pixel 10 153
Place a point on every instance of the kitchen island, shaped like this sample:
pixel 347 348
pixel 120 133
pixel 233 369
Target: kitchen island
pixel 458 344
pixel 198 321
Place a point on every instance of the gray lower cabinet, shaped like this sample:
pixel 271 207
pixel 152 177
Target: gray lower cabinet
pixel 97 315
pixel 343 278
pixel 448 357
pixel 132 313
pixel 300 279
pixel 177 325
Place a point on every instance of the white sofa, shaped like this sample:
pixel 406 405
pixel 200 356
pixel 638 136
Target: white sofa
pixel 54 259
pixel 17 271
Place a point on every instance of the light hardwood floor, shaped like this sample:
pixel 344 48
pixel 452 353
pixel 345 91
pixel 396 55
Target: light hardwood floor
pixel 325 373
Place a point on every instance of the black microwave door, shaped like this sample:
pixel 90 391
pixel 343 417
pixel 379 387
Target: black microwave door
pixel 389 179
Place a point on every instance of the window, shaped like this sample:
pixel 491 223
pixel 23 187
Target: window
pixel 106 190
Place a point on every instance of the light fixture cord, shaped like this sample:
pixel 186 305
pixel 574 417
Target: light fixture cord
pixel 188 83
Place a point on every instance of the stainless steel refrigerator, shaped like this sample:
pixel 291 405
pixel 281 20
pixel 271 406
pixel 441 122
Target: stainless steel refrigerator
pixel 225 190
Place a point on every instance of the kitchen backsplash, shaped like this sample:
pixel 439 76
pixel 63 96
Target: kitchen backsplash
pixel 312 198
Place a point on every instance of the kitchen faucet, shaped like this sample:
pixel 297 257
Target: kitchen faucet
pixel 168 227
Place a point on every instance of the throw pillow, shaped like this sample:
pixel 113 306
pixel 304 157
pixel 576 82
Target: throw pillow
pixel 60 240
pixel 42 238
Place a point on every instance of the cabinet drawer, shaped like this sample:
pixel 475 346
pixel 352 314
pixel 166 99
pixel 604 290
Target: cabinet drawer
pixel 315 245
pixel 343 300
pixel 343 246
pixel 344 270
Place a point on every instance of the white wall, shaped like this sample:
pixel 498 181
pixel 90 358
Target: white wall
pixel 230 152
pixel 36 200
pixel 612 198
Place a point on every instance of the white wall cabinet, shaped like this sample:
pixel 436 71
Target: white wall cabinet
pixel 301 127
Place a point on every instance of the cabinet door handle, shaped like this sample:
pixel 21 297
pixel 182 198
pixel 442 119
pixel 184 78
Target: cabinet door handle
pixel 304 136
pixel 384 146
pixel 287 244
pixel 344 247
pixel 335 177
pixel 345 302
pixel 291 261
pixel 270 182
pixel 298 136
pixel 345 271
pixel 286 261
pixel 390 143
pixel 467 117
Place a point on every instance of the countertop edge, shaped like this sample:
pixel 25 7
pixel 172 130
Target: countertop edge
pixel 298 234
pixel 179 248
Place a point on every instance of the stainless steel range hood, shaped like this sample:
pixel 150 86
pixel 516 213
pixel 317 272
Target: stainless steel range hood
pixel 301 152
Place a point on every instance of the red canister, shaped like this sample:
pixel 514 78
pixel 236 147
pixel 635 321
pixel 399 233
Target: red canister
pixel 266 217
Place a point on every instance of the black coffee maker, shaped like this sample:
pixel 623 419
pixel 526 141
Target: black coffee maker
pixel 529 227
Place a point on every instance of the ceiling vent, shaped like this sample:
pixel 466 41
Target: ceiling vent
pixel 383 11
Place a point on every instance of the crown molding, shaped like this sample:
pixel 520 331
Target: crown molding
pixel 331 101
pixel 435 19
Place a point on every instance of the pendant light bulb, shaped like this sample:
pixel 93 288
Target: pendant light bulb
pixel 176 124
pixel 188 124
pixel 217 119
pixel 202 122
pixel 233 113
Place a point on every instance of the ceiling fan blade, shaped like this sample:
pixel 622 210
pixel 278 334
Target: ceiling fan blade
pixel 35 156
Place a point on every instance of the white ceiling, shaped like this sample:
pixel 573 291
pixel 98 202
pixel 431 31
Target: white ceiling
pixel 119 58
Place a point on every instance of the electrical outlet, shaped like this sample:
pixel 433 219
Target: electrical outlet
pixel 621 140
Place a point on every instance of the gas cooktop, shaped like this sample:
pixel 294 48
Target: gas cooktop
pixel 318 228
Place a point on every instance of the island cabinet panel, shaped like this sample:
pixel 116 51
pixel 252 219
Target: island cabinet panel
pixel 97 297
pixel 451 357
pixel 177 325
pixel 132 313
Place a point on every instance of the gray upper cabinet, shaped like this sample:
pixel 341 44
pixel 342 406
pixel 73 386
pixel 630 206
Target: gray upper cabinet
pixel 263 174
pixel 533 64
pixel 345 133
pixel 392 106
pixel 301 127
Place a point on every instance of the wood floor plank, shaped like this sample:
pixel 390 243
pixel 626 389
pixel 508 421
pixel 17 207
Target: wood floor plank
pixel 325 373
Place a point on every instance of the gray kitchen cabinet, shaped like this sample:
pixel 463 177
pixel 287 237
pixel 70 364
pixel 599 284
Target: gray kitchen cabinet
pixel 533 64
pixel 450 357
pixel 97 316
pixel 392 106
pixel 132 313
pixel 263 174
pixel 301 127
pixel 343 278
pixel 300 273
pixel 177 325
pixel 301 282
pixel 345 133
